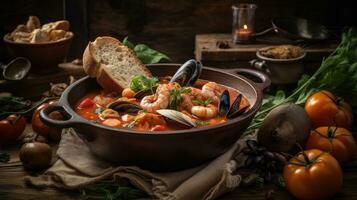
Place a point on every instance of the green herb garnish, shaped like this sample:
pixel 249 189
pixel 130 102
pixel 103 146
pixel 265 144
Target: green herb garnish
pixel 337 74
pixel 176 98
pixel 4 157
pixel 145 53
pixel 143 83
pixel 99 110
pixel 201 123
pixel 130 124
pixel 202 102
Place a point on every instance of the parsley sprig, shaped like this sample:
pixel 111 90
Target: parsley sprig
pixel 176 97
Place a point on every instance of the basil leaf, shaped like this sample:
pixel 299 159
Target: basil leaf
pixel 127 43
pixel 148 55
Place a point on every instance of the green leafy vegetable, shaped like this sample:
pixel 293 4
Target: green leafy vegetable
pixel 337 73
pixel 143 83
pixel 112 191
pixel 176 98
pixel 202 102
pixel 4 157
pixel 14 104
pixel 145 53
pixel 19 106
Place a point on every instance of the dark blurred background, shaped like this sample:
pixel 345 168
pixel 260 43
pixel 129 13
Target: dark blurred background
pixel 167 25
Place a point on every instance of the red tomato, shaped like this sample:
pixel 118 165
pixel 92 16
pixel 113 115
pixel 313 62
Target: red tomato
pixel 38 126
pixel 158 128
pixel 86 103
pixel 324 109
pixel 11 128
pixel 338 141
pixel 313 174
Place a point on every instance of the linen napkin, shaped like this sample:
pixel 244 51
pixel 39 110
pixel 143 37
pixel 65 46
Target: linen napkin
pixel 76 168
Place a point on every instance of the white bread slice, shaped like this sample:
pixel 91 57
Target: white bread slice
pixel 112 63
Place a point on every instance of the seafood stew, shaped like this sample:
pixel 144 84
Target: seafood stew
pixel 164 104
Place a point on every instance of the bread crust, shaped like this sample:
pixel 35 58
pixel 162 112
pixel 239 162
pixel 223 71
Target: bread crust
pixel 97 70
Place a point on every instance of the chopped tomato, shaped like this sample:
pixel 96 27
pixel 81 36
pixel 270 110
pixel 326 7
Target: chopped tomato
pixel 112 122
pixel 86 103
pixel 158 128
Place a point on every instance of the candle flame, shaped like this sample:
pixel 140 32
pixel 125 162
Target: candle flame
pixel 245 26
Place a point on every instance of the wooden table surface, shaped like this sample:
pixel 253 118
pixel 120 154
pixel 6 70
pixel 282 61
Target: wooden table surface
pixel 12 186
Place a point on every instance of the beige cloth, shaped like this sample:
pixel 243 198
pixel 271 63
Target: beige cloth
pixel 77 167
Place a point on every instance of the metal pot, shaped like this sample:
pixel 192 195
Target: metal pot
pixel 280 71
pixel 168 150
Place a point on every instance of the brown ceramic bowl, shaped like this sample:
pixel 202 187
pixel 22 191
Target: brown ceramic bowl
pixel 280 71
pixel 44 57
pixel 167 150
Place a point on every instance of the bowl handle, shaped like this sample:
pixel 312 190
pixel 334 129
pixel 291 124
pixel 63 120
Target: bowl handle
pixel 46 119
pixel 263 83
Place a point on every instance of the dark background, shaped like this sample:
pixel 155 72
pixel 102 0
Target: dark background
pixel 167 25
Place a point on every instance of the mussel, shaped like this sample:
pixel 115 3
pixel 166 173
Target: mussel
pixel 188 73
pixel 224 108
pixel 177 117
pixel 124 107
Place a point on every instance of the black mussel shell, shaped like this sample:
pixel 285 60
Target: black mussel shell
pixel 188 73
pixel 224 104
pixel 124 107
pixel 234 110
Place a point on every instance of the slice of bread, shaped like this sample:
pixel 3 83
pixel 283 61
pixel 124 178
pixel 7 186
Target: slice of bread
pixel 112 63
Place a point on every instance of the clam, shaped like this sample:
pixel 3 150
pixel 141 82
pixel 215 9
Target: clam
pixel 177 117
pixel 124 107
pixel 188 73
pixel 224 108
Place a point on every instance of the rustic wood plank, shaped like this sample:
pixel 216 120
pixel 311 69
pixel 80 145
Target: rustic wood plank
pixel 206 49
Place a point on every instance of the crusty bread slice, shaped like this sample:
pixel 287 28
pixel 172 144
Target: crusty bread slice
pixel 112 63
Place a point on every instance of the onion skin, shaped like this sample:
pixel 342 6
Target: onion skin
pixel 285 127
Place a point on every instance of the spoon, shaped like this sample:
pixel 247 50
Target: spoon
pixel 17 69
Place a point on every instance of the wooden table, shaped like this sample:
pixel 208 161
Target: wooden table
pixel 12 186
pixel 236 55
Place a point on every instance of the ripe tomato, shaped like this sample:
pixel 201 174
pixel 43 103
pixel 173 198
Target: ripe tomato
pixel 338 141
pixel 86 103
pixel 313 174
pixel 324 109
pixel 38 126
pixel 11 128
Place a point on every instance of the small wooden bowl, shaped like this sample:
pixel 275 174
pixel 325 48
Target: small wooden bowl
pixel 44 57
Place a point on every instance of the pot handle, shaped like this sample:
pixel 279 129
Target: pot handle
pixel 260 64
pixel 46 119
pixel 263 83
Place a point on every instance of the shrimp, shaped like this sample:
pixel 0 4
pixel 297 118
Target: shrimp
pixel 205 112
pixel 157 101
pixel 102 100
pixel 196 94
pixel 211 90
pixel 186 103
